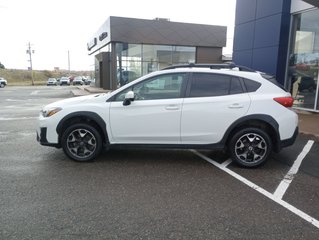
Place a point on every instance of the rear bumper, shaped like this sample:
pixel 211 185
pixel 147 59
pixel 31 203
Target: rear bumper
pixel 290 141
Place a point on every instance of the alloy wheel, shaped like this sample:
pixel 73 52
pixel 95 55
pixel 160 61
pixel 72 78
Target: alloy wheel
pixel 251 148
pixel 81 143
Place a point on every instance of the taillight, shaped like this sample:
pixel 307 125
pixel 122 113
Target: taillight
pixel 285 101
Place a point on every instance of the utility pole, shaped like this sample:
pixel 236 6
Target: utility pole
pixel 69 62
pixel 30 52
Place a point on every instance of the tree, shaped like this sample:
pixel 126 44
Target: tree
pixel 2 66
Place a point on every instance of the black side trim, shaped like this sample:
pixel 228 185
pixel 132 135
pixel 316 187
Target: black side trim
pixel 216 146
pixel 88 115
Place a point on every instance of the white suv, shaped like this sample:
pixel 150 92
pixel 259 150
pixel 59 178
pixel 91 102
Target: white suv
pixel 194 106
pixel 3 82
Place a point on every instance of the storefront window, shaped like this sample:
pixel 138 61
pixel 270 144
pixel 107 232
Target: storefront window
pixel 129 61
pixel 183 55
pixel 135 60
pixel 304 60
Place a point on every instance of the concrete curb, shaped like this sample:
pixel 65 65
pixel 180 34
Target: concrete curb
pixel 311 136
pixel 81 91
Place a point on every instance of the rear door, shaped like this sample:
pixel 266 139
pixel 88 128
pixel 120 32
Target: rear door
pixel 213 103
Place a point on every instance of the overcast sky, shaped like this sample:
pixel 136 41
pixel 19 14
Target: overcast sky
pixel 55 27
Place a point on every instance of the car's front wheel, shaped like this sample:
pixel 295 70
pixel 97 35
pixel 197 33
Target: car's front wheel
pixel 2 85
pixel 250 147
pixel 81 142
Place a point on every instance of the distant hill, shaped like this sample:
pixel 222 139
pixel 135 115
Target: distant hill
pixel 23 77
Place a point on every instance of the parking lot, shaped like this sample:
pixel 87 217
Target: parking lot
pixel 146 194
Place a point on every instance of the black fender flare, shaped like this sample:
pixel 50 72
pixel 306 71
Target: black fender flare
pixel 269 120
pixel 88 115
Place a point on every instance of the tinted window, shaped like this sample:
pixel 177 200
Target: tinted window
pixel 251 85
pixel 235 86
pixel 160 87
pixel 207 85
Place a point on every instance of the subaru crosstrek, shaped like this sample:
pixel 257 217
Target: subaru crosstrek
pixel 223 107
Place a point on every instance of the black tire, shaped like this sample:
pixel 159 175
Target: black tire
pixel 2 85
pixel 250 147
pixel 81 142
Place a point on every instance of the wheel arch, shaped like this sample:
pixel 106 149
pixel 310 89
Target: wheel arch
pixel 91 118
pixel 264 122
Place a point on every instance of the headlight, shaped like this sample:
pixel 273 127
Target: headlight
pixel 51 111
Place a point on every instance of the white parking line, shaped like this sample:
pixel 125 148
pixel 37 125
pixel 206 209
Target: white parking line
pixel 269 195
pixel 284 184
pixel 34 92
pixel 16 118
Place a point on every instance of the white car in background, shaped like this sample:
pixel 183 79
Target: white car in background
pixel 52 81
pixel 64 81
pixel 225 107
pixel 3 82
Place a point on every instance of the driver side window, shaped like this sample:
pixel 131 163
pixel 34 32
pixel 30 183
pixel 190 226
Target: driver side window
pixel 160 87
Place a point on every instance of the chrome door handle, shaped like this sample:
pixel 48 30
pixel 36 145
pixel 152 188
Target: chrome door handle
pixel 235 105
pixel 172 107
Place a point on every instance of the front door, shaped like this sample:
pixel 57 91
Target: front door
pixel 155 114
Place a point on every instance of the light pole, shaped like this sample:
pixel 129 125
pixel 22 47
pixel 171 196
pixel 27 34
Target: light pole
pixel 30 52
pixel 69 62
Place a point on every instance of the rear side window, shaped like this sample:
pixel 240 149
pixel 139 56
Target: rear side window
pixel 209 85
pixel 251 85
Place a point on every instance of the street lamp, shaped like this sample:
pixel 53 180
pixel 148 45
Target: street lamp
pixel 30 52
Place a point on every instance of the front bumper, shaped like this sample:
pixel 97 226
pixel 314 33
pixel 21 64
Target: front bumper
pixel 46 131
pixel 42 138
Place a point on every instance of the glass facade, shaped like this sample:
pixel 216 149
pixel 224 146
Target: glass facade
pixel 135 60
pixel 304 60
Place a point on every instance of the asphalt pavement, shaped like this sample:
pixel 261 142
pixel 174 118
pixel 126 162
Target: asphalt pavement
pixel 146 194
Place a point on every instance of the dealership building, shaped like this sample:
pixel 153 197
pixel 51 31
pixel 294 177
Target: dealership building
pixel 127 48
pixel 281 37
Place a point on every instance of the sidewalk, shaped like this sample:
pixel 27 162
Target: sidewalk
pixel 308 122
pixel 86 90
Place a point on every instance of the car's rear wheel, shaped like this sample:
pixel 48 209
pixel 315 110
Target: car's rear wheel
pixel 250 147
pixel 81 142
pixel 2 85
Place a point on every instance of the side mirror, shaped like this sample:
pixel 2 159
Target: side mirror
pixel 129 97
